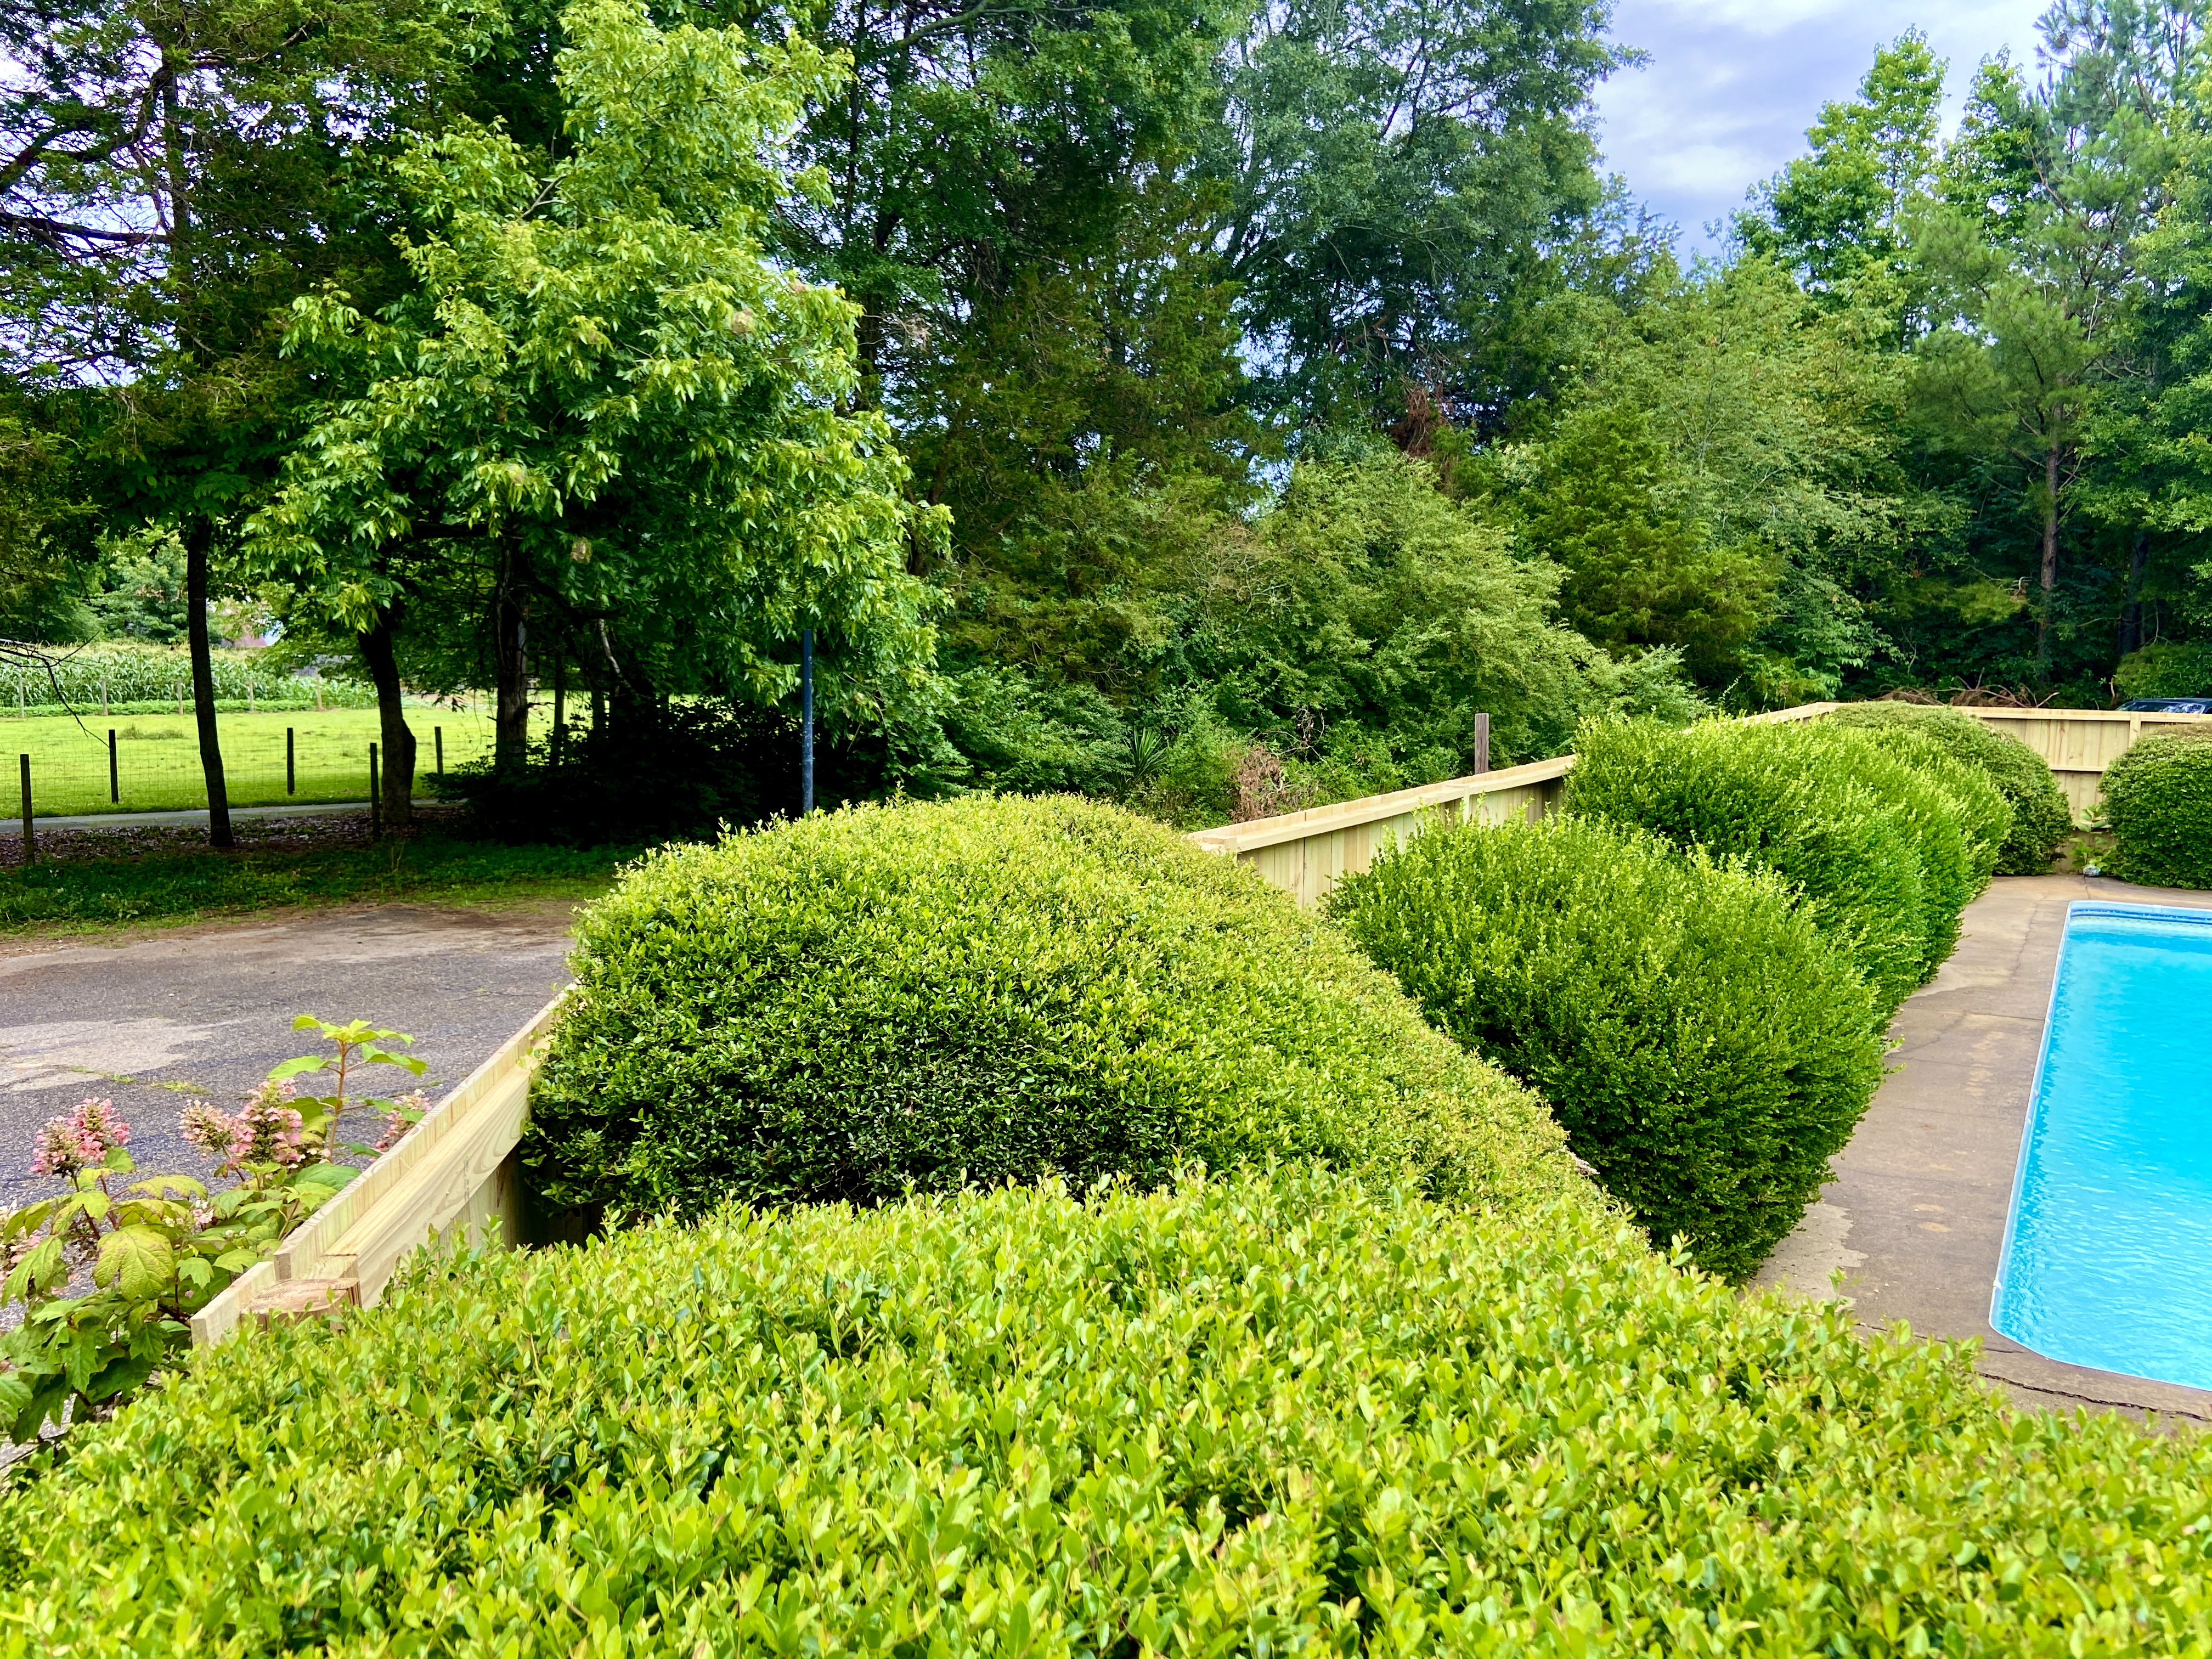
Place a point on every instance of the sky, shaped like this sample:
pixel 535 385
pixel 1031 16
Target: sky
pixel 1732 85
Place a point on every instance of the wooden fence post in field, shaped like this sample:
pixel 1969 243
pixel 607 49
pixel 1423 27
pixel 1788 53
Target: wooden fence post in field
pixel 291 767
pixel 114 777
pixel 30 835
pixel 375 798
pixel 438 737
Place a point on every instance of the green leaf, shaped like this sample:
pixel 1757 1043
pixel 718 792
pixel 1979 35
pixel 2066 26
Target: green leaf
pixel 136 1260
pixel 332 1175
pixel 44 1269
pixel 285 1070
pixel 171 1186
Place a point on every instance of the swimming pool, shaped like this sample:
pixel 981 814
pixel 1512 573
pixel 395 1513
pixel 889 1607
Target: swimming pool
pixel 2108 1256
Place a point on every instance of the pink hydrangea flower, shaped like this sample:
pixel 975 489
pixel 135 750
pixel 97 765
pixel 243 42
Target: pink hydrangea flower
pixel 213 1131
pixel 67 1144
pixel 406 1112
pixel 268 1130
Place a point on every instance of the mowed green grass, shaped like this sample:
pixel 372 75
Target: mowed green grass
pixel 158 761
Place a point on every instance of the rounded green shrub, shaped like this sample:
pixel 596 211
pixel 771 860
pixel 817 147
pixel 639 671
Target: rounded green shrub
pixel 1285 1413
pixel 1707 1048
pixel 2040 816
pixel 1955 861
pixel 922 997
pixel 1773 797
pixel 2158 802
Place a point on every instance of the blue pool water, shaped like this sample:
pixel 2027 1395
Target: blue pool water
pixel 2108 1258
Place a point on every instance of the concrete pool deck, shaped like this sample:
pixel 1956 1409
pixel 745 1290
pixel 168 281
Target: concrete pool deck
pixel 1915 1220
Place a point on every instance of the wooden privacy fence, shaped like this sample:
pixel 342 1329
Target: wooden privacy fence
pixel 1306 853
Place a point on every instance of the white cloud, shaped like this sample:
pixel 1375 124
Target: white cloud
pixel 1732 85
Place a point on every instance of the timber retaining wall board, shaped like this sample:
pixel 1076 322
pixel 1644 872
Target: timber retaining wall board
pixel 453 1175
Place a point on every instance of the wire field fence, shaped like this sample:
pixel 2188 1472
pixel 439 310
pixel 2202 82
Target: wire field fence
pixel 151 762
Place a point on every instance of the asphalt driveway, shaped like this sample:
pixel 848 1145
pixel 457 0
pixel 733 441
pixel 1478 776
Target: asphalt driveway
pixel 160 1020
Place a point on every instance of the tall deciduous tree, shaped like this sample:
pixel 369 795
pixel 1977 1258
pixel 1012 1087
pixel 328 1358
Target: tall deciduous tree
pixel 598 401
pixel 172 171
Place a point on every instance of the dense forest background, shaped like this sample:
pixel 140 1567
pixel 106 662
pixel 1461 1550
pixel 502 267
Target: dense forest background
pixel 1278 388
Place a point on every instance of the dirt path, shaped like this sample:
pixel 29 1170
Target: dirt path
pixel 154 1021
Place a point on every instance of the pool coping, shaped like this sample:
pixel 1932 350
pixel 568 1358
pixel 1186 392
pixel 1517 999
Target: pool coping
pixel 1942 1139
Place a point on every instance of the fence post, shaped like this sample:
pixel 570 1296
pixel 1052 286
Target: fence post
pixel 30 835
pixel 291 770
pixel 438 737
pixel 375 798
pixel 114 777
pixel 1482 743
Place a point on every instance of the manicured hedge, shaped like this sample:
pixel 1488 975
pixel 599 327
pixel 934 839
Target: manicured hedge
pixel 929 996
pixel 1874 850
pixel 2158 802
pixel 2040 818
pixel 1275 1415
pixel 1707 1048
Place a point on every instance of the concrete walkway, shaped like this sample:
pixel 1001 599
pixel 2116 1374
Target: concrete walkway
pixel 1915 1220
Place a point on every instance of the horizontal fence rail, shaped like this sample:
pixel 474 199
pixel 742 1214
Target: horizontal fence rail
pixel 1306 853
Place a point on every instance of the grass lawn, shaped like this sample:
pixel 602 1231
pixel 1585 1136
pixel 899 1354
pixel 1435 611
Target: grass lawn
pixel 185 887
pixel 157 759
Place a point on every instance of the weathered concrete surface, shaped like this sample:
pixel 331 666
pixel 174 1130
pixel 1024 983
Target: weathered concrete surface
pixel 155 1021
pixel 1915 1219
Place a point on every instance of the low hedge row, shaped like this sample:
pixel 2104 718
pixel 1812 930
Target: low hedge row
pixel 929 996
pixel 1876 849
pixel 1706 1047
pixel 2040 817
pixel 2158 802
pixel 1287 1413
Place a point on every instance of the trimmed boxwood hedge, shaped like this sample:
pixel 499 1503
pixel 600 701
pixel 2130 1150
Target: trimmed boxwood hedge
pixel 2158 802
pixel 1707 1048
pixel 1278 1414
pixel 926 996
pixel 1772 796
pixel 2040 818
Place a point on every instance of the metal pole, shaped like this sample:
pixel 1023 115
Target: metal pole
pixel 438 736
pixel 375 798
pixel 805 722
pixel 291 765
pixel 114 777
pixel 30 835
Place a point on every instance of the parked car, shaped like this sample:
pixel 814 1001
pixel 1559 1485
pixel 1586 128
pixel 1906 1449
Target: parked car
pixel 2168 705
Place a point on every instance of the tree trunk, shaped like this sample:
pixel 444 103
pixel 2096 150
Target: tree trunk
pixel 2043 651
pixel 2131 612
pixel 399 780
pixel 511 714
pixel 199 537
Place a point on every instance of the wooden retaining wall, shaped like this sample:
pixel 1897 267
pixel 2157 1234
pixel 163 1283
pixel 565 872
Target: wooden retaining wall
pixel 1306 853
pixel 452 1177
pixel 454 1174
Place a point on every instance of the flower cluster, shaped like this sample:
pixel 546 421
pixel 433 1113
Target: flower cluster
pixel 406 1112
pixel 213 1131
pixel 265 1131
pixel 67 1144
